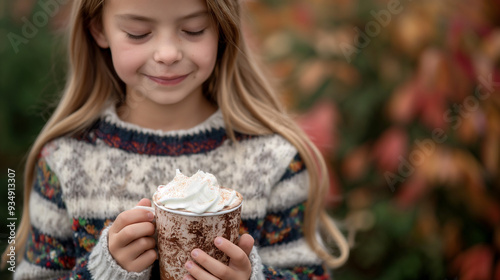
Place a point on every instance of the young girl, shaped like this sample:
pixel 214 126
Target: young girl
pixel 154 86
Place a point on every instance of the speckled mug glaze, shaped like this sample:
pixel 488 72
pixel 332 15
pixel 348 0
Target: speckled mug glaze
pixel 180 232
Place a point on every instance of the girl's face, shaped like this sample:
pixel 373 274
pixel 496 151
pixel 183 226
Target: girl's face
pixel 162 49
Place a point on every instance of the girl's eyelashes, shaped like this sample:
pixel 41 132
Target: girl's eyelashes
pixel 136 37
pixel 142 36
pixel 194 33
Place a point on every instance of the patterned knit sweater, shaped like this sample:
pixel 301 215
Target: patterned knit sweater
pixel 83 182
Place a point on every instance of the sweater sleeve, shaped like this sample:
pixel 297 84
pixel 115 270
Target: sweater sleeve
pixel 279 240
pixel 62 247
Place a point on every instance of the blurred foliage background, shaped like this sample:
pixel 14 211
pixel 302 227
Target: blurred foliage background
pixel 402 97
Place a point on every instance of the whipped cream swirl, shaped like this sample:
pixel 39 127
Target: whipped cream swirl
pixel 199 193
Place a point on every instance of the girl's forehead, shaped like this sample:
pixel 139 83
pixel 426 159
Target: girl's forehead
pixel 155 10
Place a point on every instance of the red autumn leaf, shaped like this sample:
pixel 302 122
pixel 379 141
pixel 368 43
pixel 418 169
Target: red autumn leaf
pixel 475 264
pixel 389 148
pixel 411 191
pixel 319 124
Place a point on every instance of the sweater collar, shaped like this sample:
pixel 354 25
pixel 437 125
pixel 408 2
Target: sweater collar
pixel 215 121
pixel 110 130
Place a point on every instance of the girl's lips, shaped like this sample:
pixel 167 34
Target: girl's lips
pixel 168 81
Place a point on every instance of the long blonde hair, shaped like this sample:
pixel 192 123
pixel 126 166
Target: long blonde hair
pixel 243 94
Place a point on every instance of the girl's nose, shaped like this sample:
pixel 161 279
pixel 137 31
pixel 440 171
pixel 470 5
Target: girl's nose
pixel 167 53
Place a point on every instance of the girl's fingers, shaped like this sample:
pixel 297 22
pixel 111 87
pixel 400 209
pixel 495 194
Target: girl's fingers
pixel 132 232
pixel 199 273
pixel 129 239
pixel 239 264
pixel 146 259
pixel 144 202
pixel 135 249
pixel 210 264
pixel 133 216
pixel 238 257
pixel 142 262
pixel 119 241
pixel 137 256
pixel 129 217
pixel 246 243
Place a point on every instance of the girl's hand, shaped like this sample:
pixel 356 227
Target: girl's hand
pixel 130 239
pixel 239 264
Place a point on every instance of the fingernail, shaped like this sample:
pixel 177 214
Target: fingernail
pixel 218 241
pixel 189 265
pixel 151 216
pixel 194 253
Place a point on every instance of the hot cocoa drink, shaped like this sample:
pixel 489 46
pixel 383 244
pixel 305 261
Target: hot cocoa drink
pixel 190 213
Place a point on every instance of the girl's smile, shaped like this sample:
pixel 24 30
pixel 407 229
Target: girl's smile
pixel 168 81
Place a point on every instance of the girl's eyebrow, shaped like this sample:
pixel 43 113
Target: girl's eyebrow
pixel 134 17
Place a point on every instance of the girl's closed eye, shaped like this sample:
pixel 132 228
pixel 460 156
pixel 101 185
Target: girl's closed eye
pixel 194 33
pixel 137 37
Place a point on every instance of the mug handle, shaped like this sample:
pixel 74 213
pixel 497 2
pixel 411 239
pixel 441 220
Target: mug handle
pixel 150 209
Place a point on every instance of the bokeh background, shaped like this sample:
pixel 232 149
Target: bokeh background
pixel 402 97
